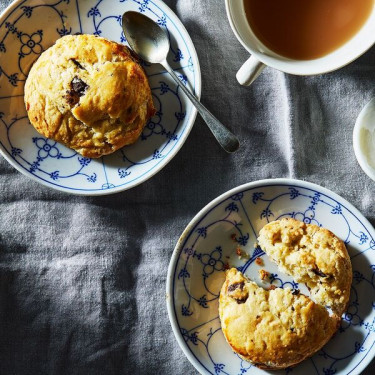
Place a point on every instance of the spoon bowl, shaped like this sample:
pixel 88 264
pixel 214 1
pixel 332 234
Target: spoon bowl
pixel 152 46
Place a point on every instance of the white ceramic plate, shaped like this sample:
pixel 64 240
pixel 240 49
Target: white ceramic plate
pixel 363 139
pixel 196 274
pixel 27 27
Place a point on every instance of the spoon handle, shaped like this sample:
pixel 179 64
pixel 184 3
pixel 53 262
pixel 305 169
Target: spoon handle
pixel 226 139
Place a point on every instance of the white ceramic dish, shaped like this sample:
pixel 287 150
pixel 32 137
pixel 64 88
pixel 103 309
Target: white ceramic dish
pixel 364 139
pixel 27 27
pixel 195 273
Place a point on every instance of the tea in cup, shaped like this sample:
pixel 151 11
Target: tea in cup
pixel 301 37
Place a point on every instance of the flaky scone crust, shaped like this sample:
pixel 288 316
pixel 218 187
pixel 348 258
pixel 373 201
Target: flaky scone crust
pixel 90 94
pixel 272 329
pixel 312 255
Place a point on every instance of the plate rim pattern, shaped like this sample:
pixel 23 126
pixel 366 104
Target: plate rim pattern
pixel 204 212
pixel 16 4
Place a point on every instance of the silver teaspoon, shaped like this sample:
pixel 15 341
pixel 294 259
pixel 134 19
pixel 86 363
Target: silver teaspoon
pixel 149 41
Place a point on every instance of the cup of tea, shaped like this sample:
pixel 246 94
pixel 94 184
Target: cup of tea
pixel 301 37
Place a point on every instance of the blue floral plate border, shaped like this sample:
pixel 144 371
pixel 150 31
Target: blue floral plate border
pixel 27 28
pixel 208 246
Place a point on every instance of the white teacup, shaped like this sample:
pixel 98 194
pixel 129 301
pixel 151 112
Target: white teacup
pixel 262 56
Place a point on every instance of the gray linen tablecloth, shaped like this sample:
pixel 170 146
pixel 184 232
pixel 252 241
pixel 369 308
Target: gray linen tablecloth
pixel 82 280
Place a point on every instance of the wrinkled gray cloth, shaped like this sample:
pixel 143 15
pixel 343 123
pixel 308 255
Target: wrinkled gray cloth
pixel 82 279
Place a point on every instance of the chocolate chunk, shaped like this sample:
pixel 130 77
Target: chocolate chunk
pixel 78 86
pixel 295 292
pixel 237 292
pixel 77 89
pixel 318 272
pixel 241 300
pixel 233 287
pixel 77 64
pixel 72 97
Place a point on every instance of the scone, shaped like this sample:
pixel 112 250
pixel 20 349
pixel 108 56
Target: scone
pixel 312 255
pixel 90 94
pixel 272 329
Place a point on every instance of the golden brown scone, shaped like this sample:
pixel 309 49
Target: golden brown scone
pixel 272 329
pixel 312 255
pixel 90 94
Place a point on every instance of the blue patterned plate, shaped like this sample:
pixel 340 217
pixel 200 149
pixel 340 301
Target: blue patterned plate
pixel 208 245
pixel 27 28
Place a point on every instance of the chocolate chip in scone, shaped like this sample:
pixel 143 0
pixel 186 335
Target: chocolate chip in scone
pixel 72 97
pixel 295 292
pixel 318 272
pixel 241 300
pixel 77 89
pixel 237 292
pixel 78 86
pixel 235 286
pixel 77 64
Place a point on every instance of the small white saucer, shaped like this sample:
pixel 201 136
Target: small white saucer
pixel 364 139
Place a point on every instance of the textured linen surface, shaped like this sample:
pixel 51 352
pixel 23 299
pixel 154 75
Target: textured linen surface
pixel 82 279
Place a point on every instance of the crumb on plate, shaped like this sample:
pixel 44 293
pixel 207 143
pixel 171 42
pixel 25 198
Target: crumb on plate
pixel 263 274
pixel 259 261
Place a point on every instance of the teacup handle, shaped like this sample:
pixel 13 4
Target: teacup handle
pixel 249 71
